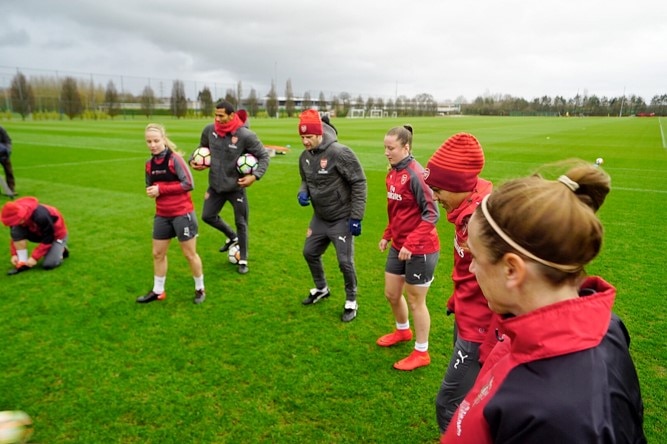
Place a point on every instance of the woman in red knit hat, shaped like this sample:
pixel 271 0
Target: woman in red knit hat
pixel 415 247
pixel 31 221
pixel 453 174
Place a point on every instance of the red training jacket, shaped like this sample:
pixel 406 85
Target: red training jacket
pixel 412 211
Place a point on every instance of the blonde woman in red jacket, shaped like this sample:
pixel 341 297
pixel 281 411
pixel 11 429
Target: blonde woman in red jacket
pixel 169 181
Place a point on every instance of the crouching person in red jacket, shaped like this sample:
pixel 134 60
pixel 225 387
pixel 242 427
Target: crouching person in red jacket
pixel 30 221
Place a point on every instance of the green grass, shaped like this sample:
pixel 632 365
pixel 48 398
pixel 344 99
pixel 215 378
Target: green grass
pixel 252 364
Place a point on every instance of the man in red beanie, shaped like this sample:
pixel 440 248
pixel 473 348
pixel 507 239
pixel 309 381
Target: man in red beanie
pixel 333 180
pixel 31 221
pixel 453 175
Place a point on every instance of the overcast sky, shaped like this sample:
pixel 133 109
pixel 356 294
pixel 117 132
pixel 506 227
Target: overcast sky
pixel 382 48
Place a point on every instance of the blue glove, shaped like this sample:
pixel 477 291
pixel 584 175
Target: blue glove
pixel 355 227
pixel 303 198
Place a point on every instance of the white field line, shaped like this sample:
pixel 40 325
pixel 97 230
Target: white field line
pixel 88 162
pixel 637 190
pixel 662 133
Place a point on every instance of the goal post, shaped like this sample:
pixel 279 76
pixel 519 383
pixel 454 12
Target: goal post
pixel 376 113
pixel 357 113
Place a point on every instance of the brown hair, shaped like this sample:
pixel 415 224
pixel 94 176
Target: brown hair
pixel 554 221
pixel 403 134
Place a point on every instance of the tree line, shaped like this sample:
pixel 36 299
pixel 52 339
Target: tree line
pixel 50 97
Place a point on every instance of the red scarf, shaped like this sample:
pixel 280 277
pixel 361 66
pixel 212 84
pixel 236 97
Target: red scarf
pixel 222 129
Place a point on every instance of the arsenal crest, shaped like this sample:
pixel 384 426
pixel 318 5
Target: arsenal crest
pixel 404 178
pixel 323 164
pixel 426 173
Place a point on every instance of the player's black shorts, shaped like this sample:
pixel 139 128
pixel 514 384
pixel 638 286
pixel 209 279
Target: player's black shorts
pixel 183 227
pixel 418 270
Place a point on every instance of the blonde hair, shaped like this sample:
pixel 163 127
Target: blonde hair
pixel 163 132
pixel 552 222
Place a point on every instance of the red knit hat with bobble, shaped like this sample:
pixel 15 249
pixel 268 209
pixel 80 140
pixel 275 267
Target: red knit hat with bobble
pixel 456 165
pixel 310 123
pixel 13 214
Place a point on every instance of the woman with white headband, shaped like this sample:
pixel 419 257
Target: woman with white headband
pixel 561 371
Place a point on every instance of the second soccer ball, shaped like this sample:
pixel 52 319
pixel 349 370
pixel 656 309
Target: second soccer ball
pixel 234 254
pixel 246 164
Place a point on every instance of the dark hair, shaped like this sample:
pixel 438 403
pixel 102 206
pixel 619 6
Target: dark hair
pixel 325 119
pixel 228 107
pixel 553 220
pixel 403 134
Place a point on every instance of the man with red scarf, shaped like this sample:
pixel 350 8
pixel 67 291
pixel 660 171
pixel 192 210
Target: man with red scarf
pixel 228 138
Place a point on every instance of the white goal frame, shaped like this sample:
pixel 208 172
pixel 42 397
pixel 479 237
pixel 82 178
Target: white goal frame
pixel 376 113
pixel 357 113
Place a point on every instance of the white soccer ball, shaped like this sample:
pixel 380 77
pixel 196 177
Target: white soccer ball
pixel 246 164
pixel 202 156
pixel 234 254
pixel 599 161
pixel 15 427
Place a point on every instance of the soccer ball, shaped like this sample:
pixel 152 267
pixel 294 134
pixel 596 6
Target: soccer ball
pixel 234 254
pixel 15 427
pixel 599 161
pixel 246 164
pixel 202 156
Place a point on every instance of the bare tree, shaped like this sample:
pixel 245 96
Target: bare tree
pixel 206 101
pixel 346 103
pixel 272 102
pixel 230 97
pixel 111 100
pixel 23 99
pixel 307 101
pixel 179 104
pixel 239 95
pixel 289 99
pixel 322 102
pixel 147 101
pixel 252 103
pixel 370 104
pixel 336 106
pixel 70 99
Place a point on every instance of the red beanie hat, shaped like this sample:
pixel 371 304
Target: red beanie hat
pixel 310 123
pixel 13 214
pixel 455 166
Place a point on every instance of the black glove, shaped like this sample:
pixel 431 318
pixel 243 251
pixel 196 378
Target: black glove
pixel 303 198
pixel 355 227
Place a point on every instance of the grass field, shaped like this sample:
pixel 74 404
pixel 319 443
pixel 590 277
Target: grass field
pixel 252 364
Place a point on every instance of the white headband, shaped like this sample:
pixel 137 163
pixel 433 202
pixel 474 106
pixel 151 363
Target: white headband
pixel 519 248
pixel 571 184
